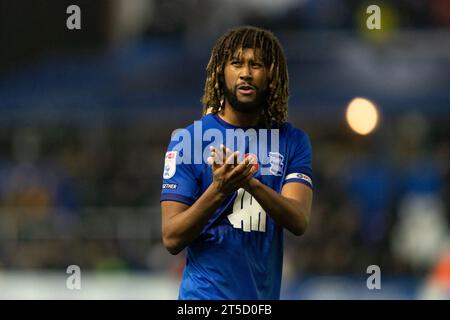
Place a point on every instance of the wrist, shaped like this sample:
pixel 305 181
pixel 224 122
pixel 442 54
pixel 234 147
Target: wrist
pixel 217 191
pixel 252 185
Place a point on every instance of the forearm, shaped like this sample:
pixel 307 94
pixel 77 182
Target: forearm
pixel 184 227
pixel 286 212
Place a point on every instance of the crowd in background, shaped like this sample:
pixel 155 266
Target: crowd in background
pixel 85 119
pixel 94 192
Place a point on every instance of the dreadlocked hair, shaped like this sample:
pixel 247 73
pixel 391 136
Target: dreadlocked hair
pixel 235 40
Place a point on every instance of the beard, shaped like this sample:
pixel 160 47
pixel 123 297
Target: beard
pixel 257 104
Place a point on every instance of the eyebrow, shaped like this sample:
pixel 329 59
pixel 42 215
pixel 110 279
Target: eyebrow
pixel 254 59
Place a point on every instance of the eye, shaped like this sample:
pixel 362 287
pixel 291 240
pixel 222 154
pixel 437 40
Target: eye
pixel 257 65
pixel 235 63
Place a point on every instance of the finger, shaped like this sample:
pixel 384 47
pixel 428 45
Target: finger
pixel 224 153
pixel 216 156
pixel 227 152
pixel 241 169
pixel 212 163
pixel 215 159
pixel 213 152
pixel 244 178
pixel 244 167
pixel 232 160
pixel 249 176
pixel 248 167
pixel 213 155
pixel 247 162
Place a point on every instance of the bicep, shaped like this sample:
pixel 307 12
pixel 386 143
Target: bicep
pixel 298 192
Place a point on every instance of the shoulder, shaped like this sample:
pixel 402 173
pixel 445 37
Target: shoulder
pixel 188 131
pixel 205 121
pixel 186 144
pixel 294 134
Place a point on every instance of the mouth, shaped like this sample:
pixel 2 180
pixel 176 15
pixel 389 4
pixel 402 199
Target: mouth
pixel 246 89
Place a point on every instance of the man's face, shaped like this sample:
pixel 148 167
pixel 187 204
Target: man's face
pixel 246 79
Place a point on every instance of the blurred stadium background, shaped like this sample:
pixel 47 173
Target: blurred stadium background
pixel 86 115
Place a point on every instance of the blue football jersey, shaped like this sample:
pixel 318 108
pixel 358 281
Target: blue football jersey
pixel 239 253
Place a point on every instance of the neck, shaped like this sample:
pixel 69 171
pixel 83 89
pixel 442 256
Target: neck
pixel 239 119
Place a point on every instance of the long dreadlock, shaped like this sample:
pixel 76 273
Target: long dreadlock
pixel 275 111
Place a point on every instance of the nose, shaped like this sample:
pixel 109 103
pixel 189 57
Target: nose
pixel 246 73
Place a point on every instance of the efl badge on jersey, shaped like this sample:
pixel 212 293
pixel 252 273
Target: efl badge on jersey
pixel 170 164
pixel 276 163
